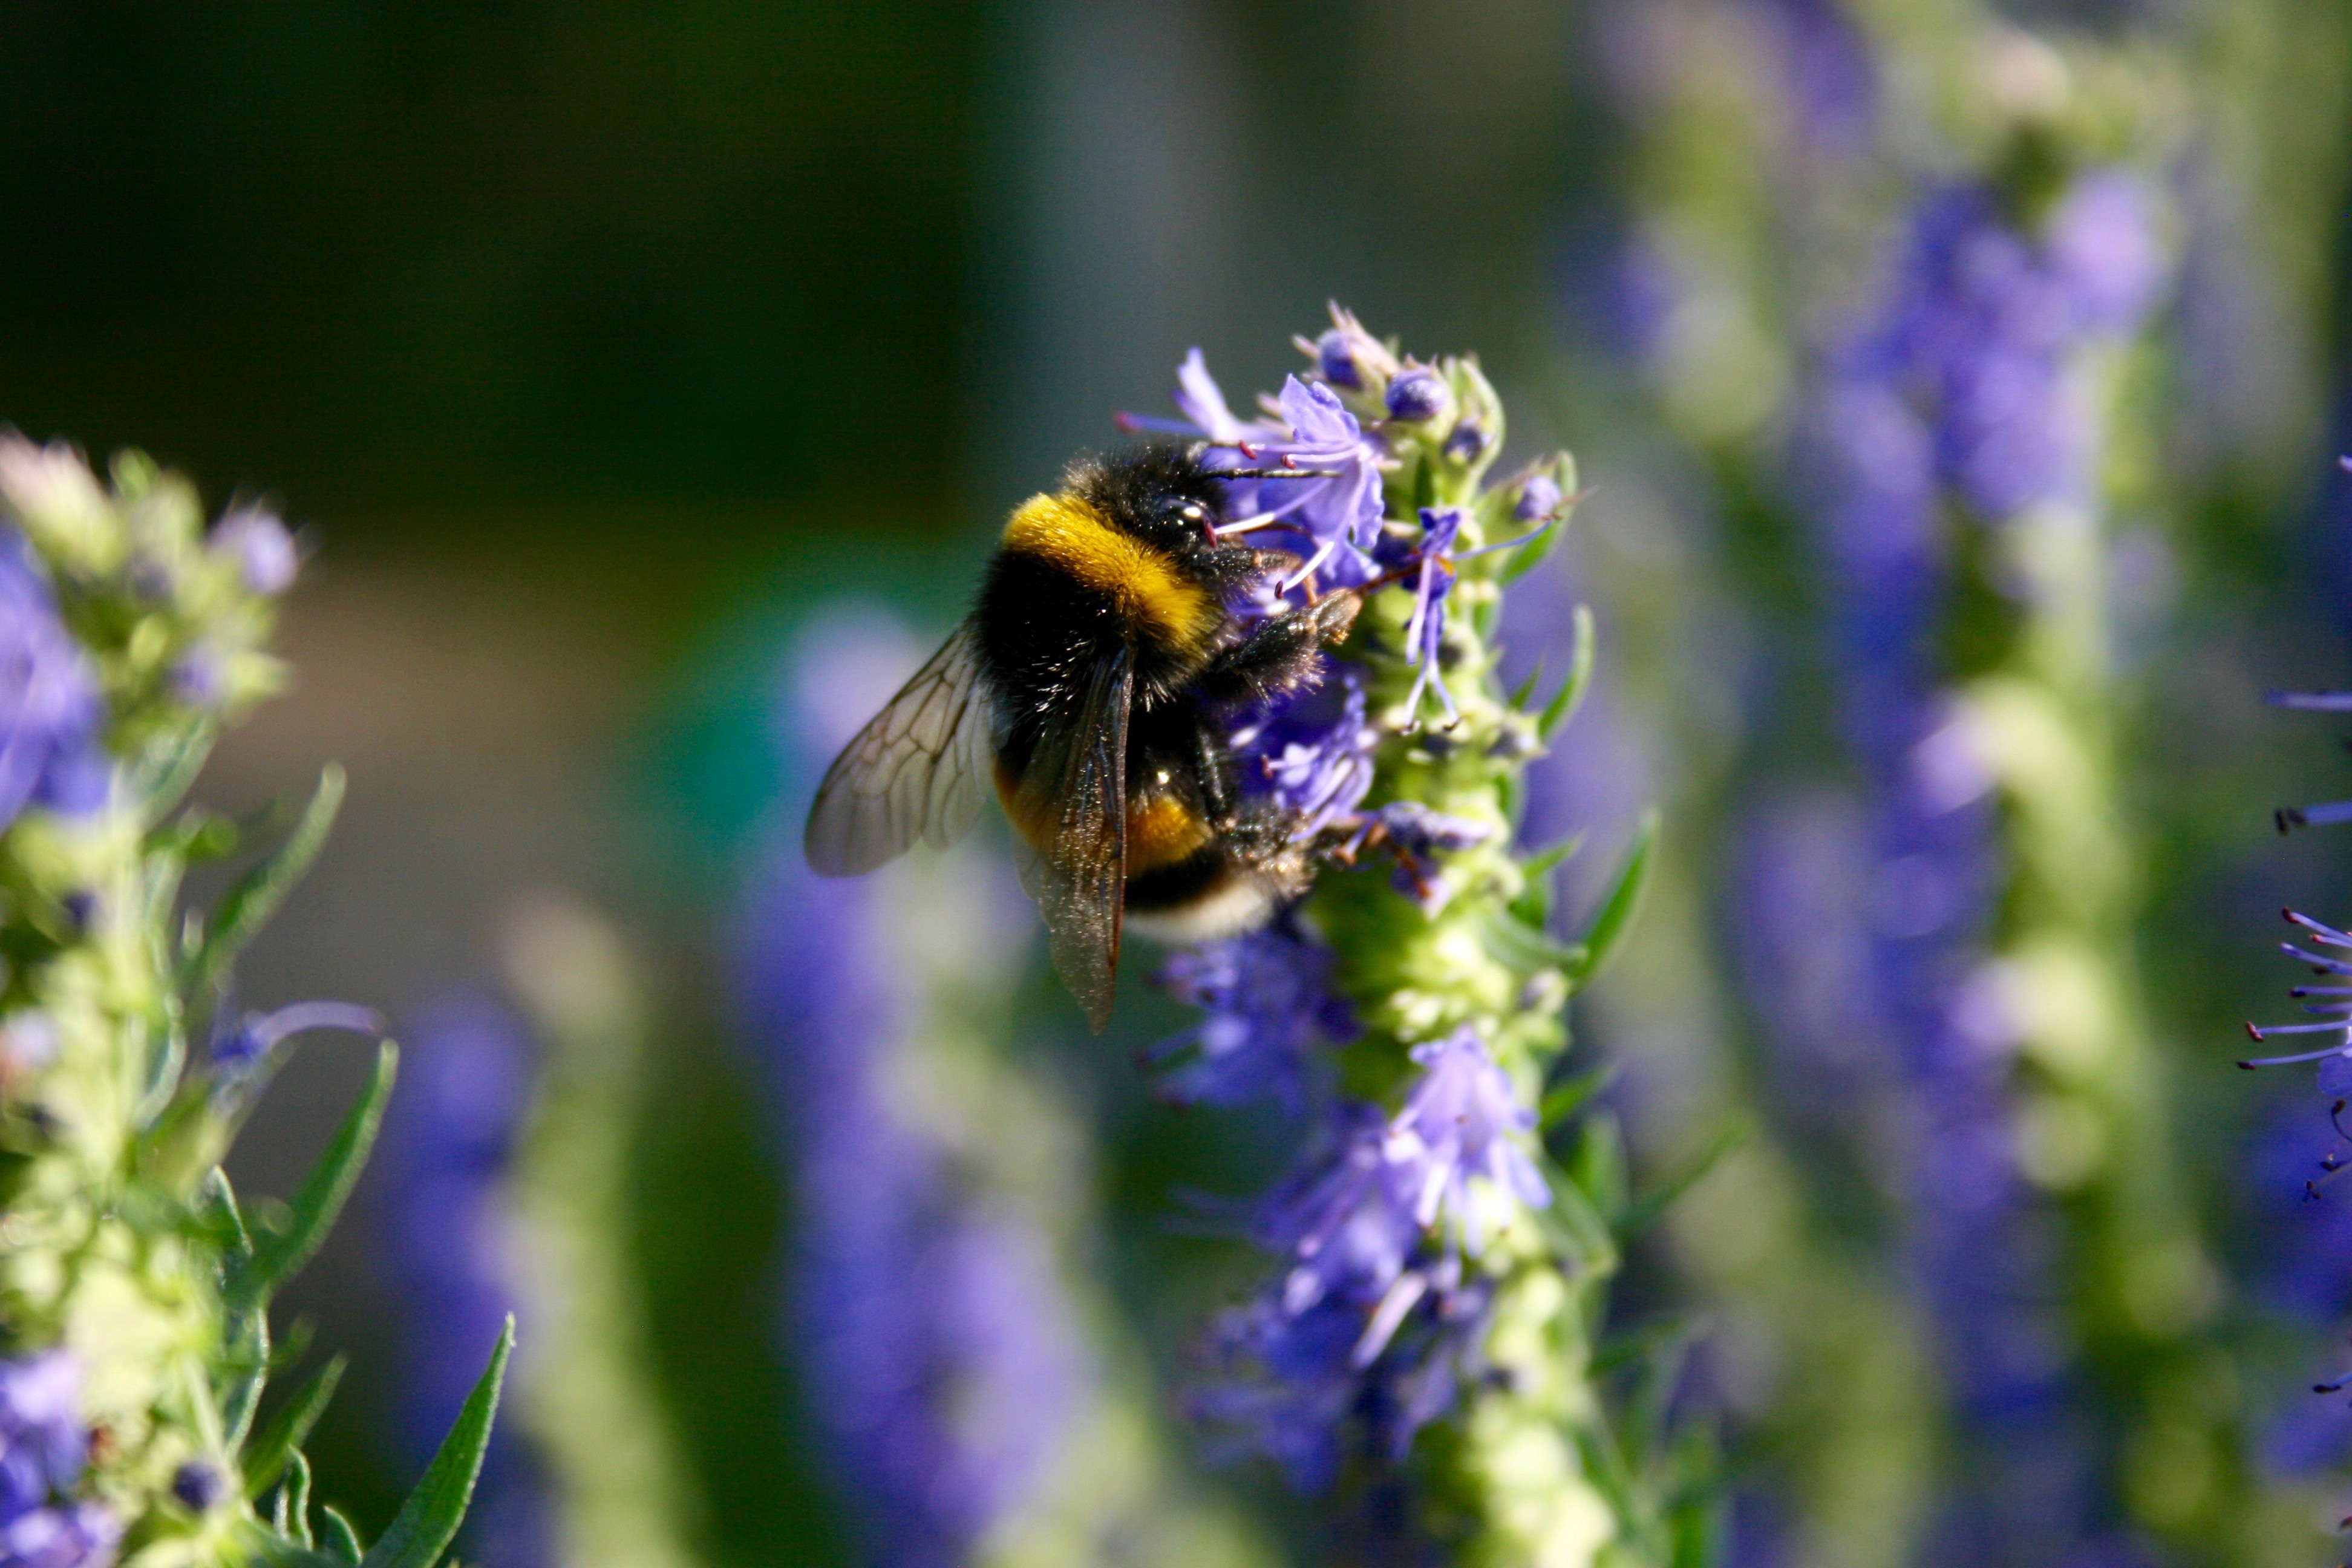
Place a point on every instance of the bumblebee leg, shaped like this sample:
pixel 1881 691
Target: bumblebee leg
pixel 1213 761
pixel 1279 653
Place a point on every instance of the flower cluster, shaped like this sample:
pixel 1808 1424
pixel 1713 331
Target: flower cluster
pixel 135 1290
pixel 941 1357
pixel 1428 1268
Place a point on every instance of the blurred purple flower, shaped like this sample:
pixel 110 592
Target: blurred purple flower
pixel 1990 318
pixel 43 1447
pixel 448 1147
pixel 264 552
pixel 942 1362
pixel 51 711
pixel 1267 1001
pixel 1346 356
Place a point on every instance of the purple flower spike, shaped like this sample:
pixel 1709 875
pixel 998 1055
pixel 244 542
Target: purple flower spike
pixel 1462 1120
pixel 50 709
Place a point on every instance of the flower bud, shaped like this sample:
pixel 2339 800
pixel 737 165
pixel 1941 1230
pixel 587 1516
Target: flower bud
pixel 1538 498
pixel 1419 396
pixel 197 1485
pixel 1349 357
pixel 264 552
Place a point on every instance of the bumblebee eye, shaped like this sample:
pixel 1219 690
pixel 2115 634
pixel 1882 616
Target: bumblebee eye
pixel 1193 512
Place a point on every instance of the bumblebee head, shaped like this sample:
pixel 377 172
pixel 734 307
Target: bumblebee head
pixel 1162 494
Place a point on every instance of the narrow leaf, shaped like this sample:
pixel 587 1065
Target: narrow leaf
pixel 293 1515
pixel 277 1257
pixel 1616 913
pixel 287 1429
pixel 1563 705
pixel 1532 554
pixel 1520 946
pixel 255 896
pixel 1644 1210
pixel 428 1521
pixel 246 1368
pixel 1564 1100
pixel 1526 689
pixel 335 1531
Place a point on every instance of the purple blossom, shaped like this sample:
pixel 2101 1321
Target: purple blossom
pixel 243 1045
pixel 51 712
pixel 2330 1016
pixel 1267 1001
pixel 942 1364
pixel 1419 396
pixel 264 552
pixel 1462 1120
pixel 1330 513
pixel 1540 499
pixel 44 1445
pixel 1990 318
pixel 1312 751
pixel 448 1148
pixel 1424 632
pixel 1346 356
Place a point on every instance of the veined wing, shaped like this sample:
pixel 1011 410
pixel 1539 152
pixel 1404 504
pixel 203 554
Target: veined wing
pixel 1078 779
pixel 914 771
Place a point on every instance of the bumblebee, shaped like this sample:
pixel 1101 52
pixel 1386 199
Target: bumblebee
pixel 1094 684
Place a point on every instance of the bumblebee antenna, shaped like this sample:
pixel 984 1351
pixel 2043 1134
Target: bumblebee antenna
pixel 1273 473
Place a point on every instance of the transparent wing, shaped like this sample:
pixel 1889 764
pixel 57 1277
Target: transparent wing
pixel 914 771
pixel 1080 777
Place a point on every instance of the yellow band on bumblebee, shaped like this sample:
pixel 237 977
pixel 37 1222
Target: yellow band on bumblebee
pixel 1073 536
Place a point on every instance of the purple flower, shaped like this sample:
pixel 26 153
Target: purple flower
pixel 1419 395
pixel 1332 507
pixel 242 1044
pixel 51 712
pixel 2330 1016
pixel 1991 317
pixel 1424 633
pixel 44 1445
pixel 264 552
pixel 1540 499
pixel 449 1145
pixel 1346 356
pixel 1462 1120
pixel 1345 1221
pixel 941 1360
pixel 1267 1001
pixel 70 1536
pixel 1312 751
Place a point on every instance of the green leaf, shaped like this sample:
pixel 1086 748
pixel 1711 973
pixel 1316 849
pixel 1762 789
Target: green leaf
pixel 216 1203
pixel 246 1366
pixel 1522 947
pixel 1533 906
pixel 292 1515
pixel 1565 1100
pixel 342 1542
pixel 1616 913
pixel 1531 556
pixel 1644 1210
pixel 278 1256
pixel 1525 690
pixel 287 1429
pixel 428 1521
pixel 254 896
pixel 1563 705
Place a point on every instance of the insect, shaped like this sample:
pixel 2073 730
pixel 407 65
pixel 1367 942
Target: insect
pixel 1094 683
